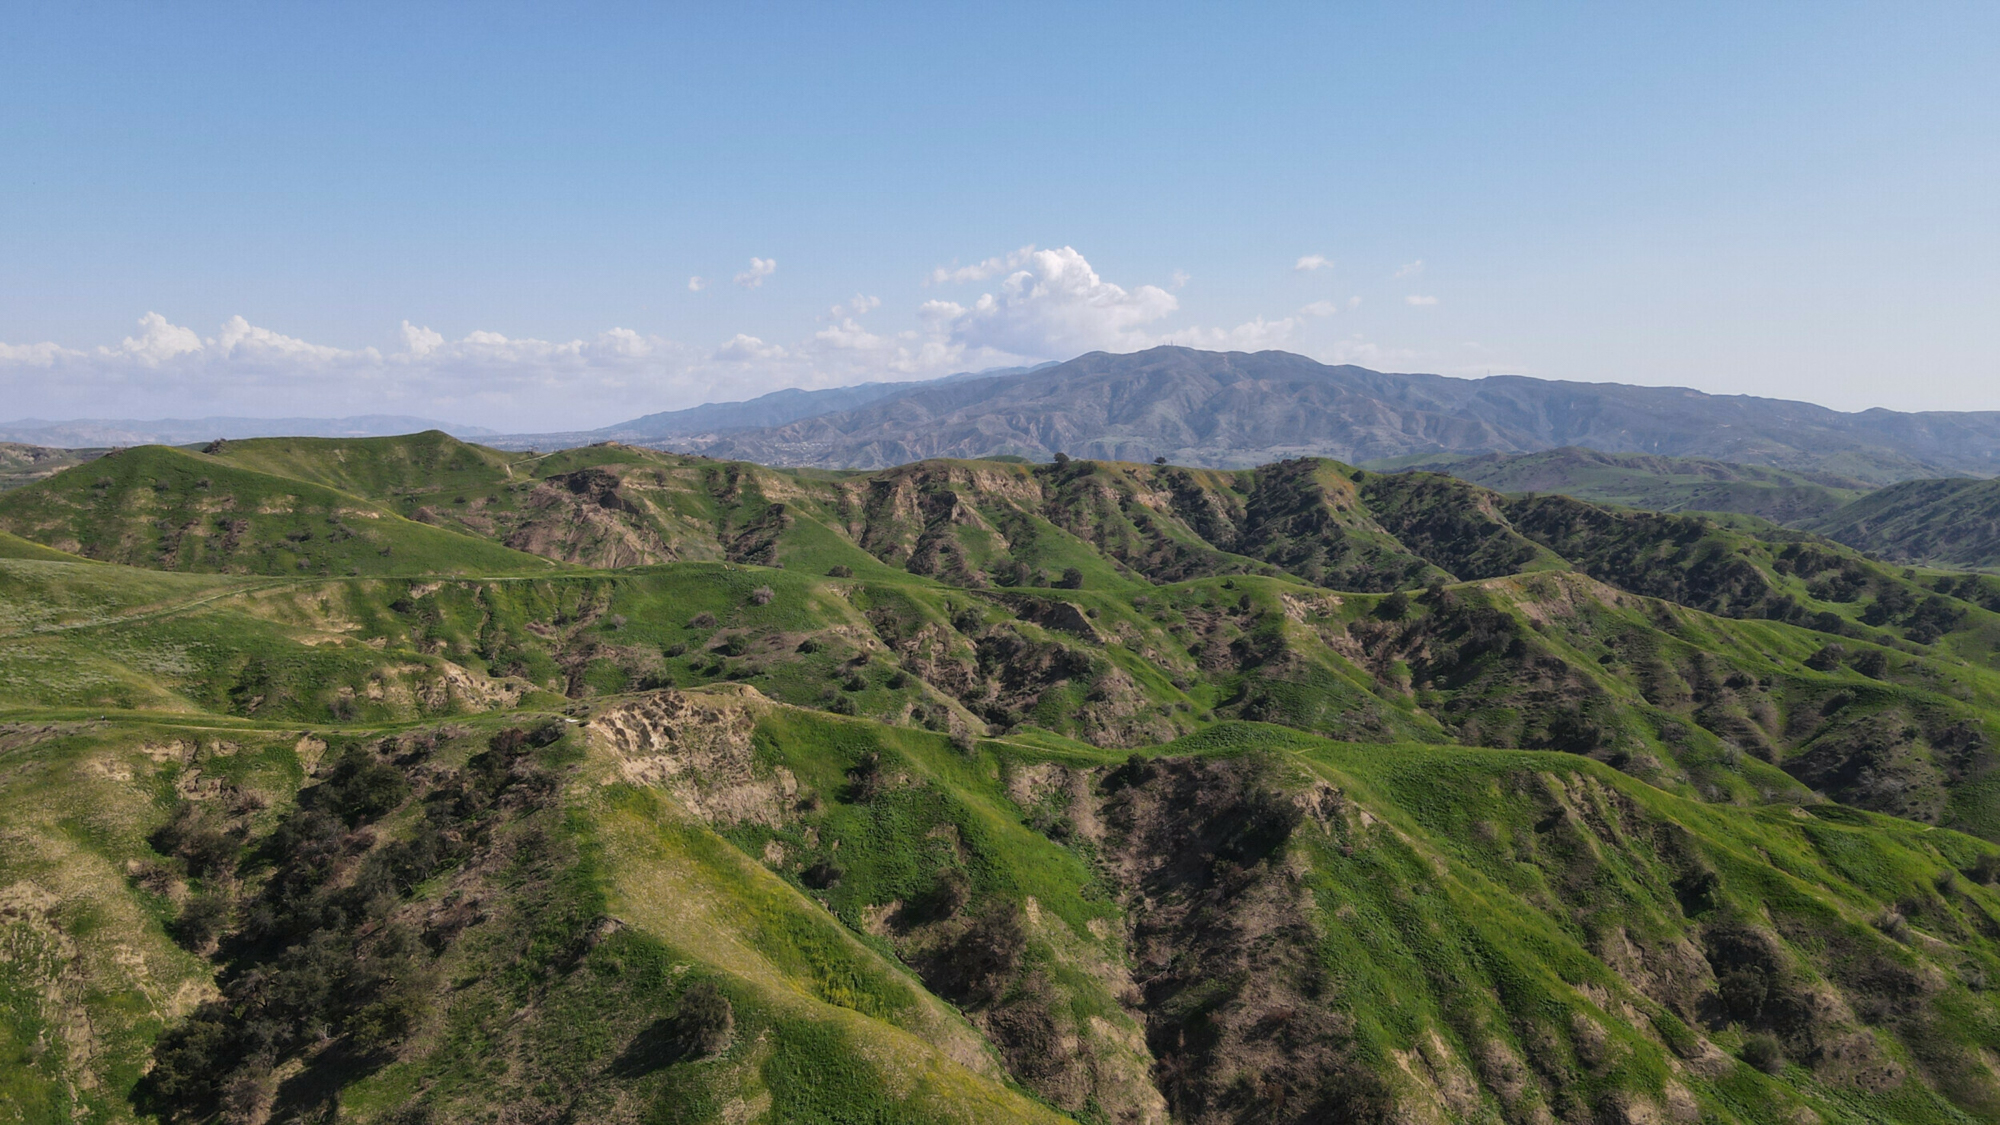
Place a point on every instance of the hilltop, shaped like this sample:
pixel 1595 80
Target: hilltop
pixel 633 785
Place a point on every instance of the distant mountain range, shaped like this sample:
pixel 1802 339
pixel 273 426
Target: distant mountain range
pixel 716 418
pixel 1235 409
pixel 80 433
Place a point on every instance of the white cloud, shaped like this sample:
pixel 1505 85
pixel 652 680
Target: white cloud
pixel 1042 305
pixel 760 268
pixel 1252 336
pixel 956 274
pixel 1311 262
pixel 1354 302
pixel 1055 306
pixel 850 336
pixel 1414 299
pixel 421 341
pixel 1410 269
pixel 859 305
pixel 157 341
pixel 1181 278
pixel 697 283
pixel 32 355
pixel 746 349
pixel 166 369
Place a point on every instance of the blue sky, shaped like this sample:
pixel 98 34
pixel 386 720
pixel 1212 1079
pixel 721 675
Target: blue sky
pixel 492 213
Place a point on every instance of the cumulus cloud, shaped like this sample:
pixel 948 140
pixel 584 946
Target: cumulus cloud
pixel 747 349
pixel 1415 299
pixel 760 268
pixel 956 274
pixel 697 283
pixel 858 305
pixel 1410 269
pixel 165 368
pixel 1321 308
pixel 1056 304
pixel 1311 262
pixel 1357 350
pixel 1181 278
pixel 1251 336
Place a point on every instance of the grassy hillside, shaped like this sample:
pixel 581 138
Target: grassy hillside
pixel 703 906
pixel 975 791
pixel 1944 523
pixel 170 509
pixel 1662 484
pixel 26 464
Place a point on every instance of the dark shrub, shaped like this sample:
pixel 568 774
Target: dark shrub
pixel 701 1027
pixel 359 788
pixel 762 595
pixel 865 781
pixel 1072 579
pixel 1762 1051
pixel 200 922
pixel 840 570
pixel 702 620
pixel 1827 658
pixel 197 836
pixel 1395 607
pixel 1985 870
pixel 1870 663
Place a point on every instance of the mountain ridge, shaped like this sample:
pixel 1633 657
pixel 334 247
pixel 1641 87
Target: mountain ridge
pixel 1237 409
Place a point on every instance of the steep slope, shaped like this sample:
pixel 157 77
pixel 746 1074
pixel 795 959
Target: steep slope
pixel 702 906
pixel 1946 523
pixel 1236 409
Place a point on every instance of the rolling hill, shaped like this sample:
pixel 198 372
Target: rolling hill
pixel 1660 484
pixel 1954 523
pixel 976 791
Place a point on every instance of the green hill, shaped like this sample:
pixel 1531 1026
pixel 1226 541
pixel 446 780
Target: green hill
pixel 1944 523
pixel 975 791
pixel 1663 484
pixel 170 509
pixel 25 464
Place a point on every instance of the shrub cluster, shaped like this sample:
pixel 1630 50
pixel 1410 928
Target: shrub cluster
pixel 324 966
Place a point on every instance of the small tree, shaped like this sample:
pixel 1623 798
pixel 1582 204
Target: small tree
pixel 1062 458
pixel 1072 579
pixel 762 595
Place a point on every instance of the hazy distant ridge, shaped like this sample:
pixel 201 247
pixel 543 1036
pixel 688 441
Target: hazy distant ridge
pixel 98 432
pixel 1238 409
